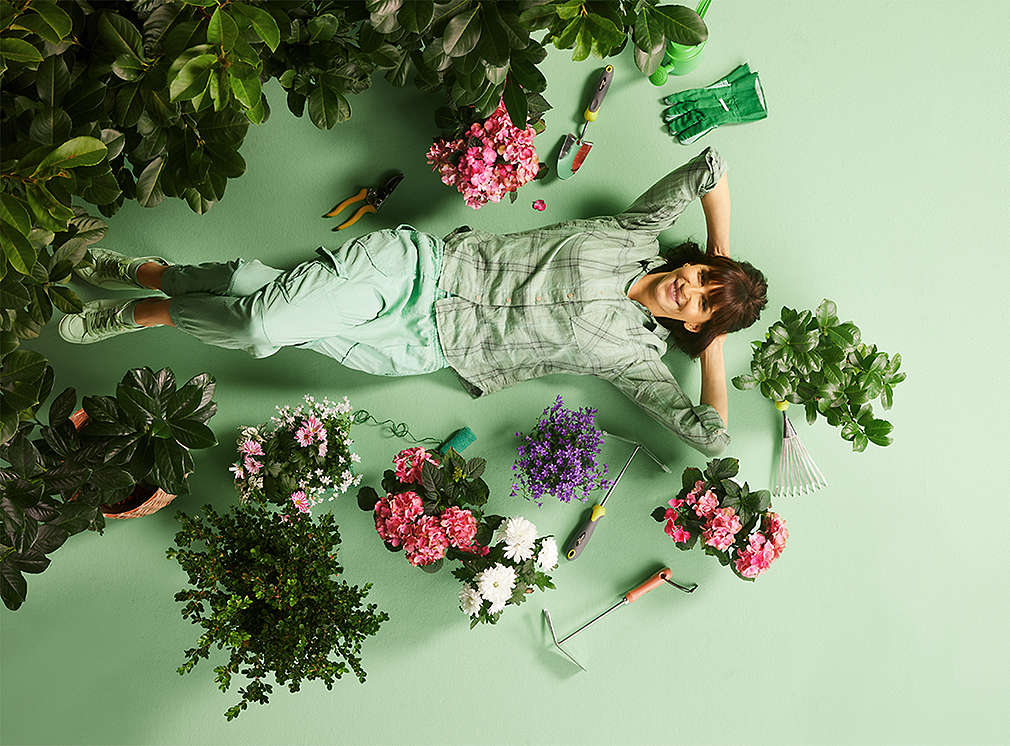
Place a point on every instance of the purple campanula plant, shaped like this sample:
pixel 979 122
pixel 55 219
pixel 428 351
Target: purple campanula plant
pixel 558 456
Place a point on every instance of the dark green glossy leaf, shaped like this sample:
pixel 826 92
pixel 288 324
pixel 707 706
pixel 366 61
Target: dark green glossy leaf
pixel 80 151
pixel 14 212
pixel 262 22
pixel 120 35
pixel 515 103
pixel 52 14
pixel 53 80
pixel 149 192
pixel 327 107
pixel 462 33
pixel 192 434
pixel 13 587
pixel 50 125
pixel 222 29
pixel 193 77
pixel 682 24
pixel 14 50
pixel 245 84
pixel 416 16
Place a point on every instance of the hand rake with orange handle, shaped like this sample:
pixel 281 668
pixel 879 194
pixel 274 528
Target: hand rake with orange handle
pixel 663 576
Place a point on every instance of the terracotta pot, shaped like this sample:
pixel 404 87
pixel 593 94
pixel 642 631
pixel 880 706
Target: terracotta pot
pixel 144 499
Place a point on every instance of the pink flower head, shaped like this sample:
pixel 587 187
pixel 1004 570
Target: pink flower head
pixel 395 514
pixel 539 205
pixel 720 530
pixel 426 542
pixel 408 464
pixel 460 526
pixel 251 465
pixel 236 469
pixel 250 447
pixel 477 549
pixel 707 504
pixel 303 437
pixel 676 532
pixel 774 526
pixel 322 448
pixel 757 557
pixel 300 501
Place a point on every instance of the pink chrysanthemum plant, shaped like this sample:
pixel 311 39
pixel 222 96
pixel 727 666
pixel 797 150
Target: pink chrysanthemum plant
pixel 488 159
pixel 733 524
pixel 432 508
pixel 301 457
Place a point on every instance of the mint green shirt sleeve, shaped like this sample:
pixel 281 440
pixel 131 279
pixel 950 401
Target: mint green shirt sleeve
pixel 661 204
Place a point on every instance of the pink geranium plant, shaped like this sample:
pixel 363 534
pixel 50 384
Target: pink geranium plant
pixel 732 523
pixel 432 507
pixel 486 160
pixel 298 459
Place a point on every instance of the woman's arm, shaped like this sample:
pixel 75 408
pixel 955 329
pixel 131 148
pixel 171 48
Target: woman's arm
pixel 716 207
pixel 713 379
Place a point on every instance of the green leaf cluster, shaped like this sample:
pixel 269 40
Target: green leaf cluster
pixel 479 52
pixel 603 28
pixel 814 360
pixel 60 478
pixel 749 506
pixel 268 593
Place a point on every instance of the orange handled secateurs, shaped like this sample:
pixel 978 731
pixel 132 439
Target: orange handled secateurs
pixel 373 197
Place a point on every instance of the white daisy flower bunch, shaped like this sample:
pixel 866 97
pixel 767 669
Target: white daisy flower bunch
pixel 513 567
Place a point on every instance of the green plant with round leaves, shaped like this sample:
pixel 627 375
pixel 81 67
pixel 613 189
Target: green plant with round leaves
pixel 603 28
pixel 268 592
pixel 26 380
pixel 150 425
pixel 480 53
pixel 318 61
pixel 59 479
pixel 814 360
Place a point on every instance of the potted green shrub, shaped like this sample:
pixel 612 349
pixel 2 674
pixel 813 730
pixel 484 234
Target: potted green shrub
pixel 814 360
pixel 62 479
pixel 265 588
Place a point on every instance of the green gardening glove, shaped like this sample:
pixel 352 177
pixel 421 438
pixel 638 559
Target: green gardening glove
pixel 736 98
pixel 700 95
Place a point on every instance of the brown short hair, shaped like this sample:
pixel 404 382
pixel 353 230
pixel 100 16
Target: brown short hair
pixel 738 295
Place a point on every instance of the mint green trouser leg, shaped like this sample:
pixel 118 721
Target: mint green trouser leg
pixel 249 306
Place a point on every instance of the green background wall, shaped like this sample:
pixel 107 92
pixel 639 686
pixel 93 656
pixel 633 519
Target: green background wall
pixel 880 180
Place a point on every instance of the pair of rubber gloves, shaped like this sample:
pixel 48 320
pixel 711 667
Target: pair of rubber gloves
pixel 735 98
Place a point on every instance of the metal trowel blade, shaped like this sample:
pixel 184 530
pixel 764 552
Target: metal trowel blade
pixel 566 157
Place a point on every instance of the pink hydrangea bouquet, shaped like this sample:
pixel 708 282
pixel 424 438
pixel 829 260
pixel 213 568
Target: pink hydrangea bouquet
pixel 488 160
pixel 298 459
pixel 732 523
pixel 513 566
pixel 432 506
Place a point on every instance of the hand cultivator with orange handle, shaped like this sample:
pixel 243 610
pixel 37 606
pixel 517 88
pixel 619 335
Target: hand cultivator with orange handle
pixel 663 576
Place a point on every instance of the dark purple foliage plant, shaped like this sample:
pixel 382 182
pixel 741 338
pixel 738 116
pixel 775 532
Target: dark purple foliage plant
pixel 558 456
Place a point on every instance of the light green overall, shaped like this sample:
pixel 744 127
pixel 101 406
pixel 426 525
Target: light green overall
pixel 369 304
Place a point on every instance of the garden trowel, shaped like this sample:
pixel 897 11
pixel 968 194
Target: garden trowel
pixel 574 149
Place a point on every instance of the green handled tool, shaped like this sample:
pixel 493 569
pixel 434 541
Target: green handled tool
pixel 570 159
pixel 584 532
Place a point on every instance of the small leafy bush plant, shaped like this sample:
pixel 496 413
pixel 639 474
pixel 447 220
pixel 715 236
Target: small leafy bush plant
pixel 733 524
pixel 264 587
pixel 814 360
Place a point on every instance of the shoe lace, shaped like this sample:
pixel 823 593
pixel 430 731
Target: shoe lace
pixel 104 319
pixel 111 267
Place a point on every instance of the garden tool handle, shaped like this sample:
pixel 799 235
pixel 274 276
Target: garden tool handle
pixel 593 110
pixel 585 530
pixel 656 580
pixel 356 217
pixel 349 201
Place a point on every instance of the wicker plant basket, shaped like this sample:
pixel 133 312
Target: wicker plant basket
pixel 155 502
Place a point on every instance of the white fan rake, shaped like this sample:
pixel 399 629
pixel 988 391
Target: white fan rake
pixel 797 472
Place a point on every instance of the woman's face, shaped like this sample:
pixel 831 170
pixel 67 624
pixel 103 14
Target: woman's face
pixel 683 294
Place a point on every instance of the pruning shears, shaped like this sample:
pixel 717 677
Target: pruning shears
pixel 373 197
